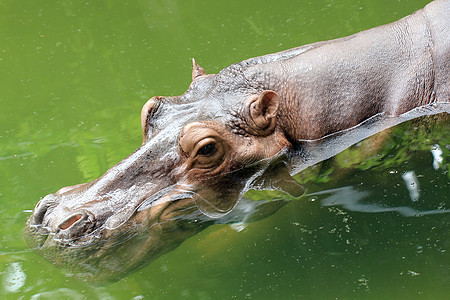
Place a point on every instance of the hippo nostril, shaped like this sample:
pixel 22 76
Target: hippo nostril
pixel 40 211
pixel 70 221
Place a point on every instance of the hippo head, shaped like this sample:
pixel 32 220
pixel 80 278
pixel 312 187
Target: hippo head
pixel 201 151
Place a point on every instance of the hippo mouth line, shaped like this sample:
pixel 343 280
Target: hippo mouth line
pixel 101 253
pixel 171 204
pixel 92 238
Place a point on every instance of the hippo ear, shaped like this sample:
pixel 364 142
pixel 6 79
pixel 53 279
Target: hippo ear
pixel 197 71
pixel 146 113
pixel 262 112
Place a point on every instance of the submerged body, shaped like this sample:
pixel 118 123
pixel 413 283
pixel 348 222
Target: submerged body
pixel 242 128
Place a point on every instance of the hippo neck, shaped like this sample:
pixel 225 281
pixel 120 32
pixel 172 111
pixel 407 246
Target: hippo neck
pixel 331 86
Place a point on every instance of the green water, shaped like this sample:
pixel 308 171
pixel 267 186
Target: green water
pixel 73 78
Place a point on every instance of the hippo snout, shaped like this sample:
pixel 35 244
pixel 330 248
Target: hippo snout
pixel 62 225
pixel 48 203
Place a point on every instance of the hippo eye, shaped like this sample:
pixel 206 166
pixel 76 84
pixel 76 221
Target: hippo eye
pixel 208 153
pixel 207 150
pixel 202 147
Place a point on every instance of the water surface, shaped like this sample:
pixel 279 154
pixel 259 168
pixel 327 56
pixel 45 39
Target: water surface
pixel 74 75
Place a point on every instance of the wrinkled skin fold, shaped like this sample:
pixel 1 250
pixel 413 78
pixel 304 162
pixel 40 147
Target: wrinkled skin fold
pixel 248 127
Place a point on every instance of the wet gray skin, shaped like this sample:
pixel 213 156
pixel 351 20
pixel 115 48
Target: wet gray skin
pixel 148 203
pixel 249 126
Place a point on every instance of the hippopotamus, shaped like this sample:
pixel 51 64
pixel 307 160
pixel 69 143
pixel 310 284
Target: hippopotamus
pixel 248 127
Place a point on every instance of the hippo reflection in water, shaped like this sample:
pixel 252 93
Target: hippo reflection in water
pixel 240 129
